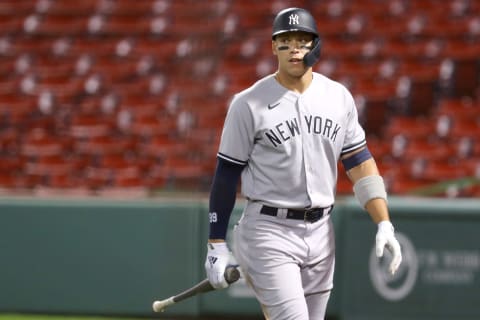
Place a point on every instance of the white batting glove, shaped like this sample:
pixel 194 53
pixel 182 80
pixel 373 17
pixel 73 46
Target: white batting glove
pixel 218 256
pixel 386 238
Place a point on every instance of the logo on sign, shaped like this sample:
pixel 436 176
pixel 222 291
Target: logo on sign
pixel 294 19
pixel 398 286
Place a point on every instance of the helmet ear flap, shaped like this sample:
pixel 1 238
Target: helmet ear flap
pixel 314 55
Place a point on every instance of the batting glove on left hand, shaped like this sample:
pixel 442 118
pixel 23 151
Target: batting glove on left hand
pixel 386 238
pixel 217 260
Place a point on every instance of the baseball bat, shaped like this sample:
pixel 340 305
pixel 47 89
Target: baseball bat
pixel 231 275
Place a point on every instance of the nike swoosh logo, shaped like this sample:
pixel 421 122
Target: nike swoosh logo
pixel 271 106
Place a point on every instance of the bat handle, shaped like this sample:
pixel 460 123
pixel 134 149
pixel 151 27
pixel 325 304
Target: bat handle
pixel 159 306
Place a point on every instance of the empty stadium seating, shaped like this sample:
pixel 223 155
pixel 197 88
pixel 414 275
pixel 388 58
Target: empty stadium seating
pixel 85 85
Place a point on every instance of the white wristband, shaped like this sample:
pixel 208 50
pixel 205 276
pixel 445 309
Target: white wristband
pixel 368 188
pixel 386 225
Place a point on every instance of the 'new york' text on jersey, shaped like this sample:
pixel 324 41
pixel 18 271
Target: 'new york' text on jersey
pixel 270 127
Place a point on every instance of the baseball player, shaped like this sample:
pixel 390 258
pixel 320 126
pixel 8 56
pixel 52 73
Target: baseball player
pixel 284 136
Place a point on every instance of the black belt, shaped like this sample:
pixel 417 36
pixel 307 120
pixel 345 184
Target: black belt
pixel 309 215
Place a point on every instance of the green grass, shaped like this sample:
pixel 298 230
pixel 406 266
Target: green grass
pixel 56 317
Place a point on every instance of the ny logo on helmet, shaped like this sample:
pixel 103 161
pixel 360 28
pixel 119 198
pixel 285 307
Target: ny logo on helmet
pixel 293 19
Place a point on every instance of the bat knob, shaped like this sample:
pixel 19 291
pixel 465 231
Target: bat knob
pixel 158 306
pixel 231 274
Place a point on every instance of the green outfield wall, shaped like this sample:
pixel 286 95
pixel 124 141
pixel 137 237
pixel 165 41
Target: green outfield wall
pixel 100 257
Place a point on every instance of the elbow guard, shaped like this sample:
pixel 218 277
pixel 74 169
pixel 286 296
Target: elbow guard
pixel 368 188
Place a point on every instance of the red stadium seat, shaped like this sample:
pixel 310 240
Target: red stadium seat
pixel 253 18
pixel 42 146
pixel 471 165
pixel 95 46
pixel 11 23
pixel 407 186
pixel 9 181
pixel 182 172
pixel 373 97
pixel 113 171
pixel 88 126
pixel 136 8
pixel 50 165
pixel 458 109
pixel 60 25
pixel 428 150
pixel 163 50
pixel 464 58
pixel 417 83
pixel 439 171
pixel 126 25
pixel 17 112
pixel 18 183
pixel 12 7
pixel 420 50
pixel 115 70
pixel 385 29
pixel 343 50
pixel 409 127
pixel 150 127
pixel 105 145
pixel 160 147
pixel 129 182
pixel 51 66
pixel 137 55
pixel 65 181
pixel 62 87
pixel 465 128
pixel 73 8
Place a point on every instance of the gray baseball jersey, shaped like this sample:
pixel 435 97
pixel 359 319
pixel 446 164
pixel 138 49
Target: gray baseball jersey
pixel 291 142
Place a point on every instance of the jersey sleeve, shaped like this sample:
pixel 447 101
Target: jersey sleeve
pixel 238 133
pixel 355 135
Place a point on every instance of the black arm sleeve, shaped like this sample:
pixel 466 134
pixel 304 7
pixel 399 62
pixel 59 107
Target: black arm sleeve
pixel 222 197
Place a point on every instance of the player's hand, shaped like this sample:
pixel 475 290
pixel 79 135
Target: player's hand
pixel 217 260
pixel 386 238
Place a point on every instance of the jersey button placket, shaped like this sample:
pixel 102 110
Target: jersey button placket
pixel 307 147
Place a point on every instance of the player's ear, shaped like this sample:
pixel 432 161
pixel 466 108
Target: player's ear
pixel 274 48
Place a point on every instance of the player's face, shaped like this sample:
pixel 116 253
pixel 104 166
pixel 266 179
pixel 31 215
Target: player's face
pixel 290 47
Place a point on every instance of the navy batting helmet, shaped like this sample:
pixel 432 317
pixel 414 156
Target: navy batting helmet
pixel 297 19
pixel 294 19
